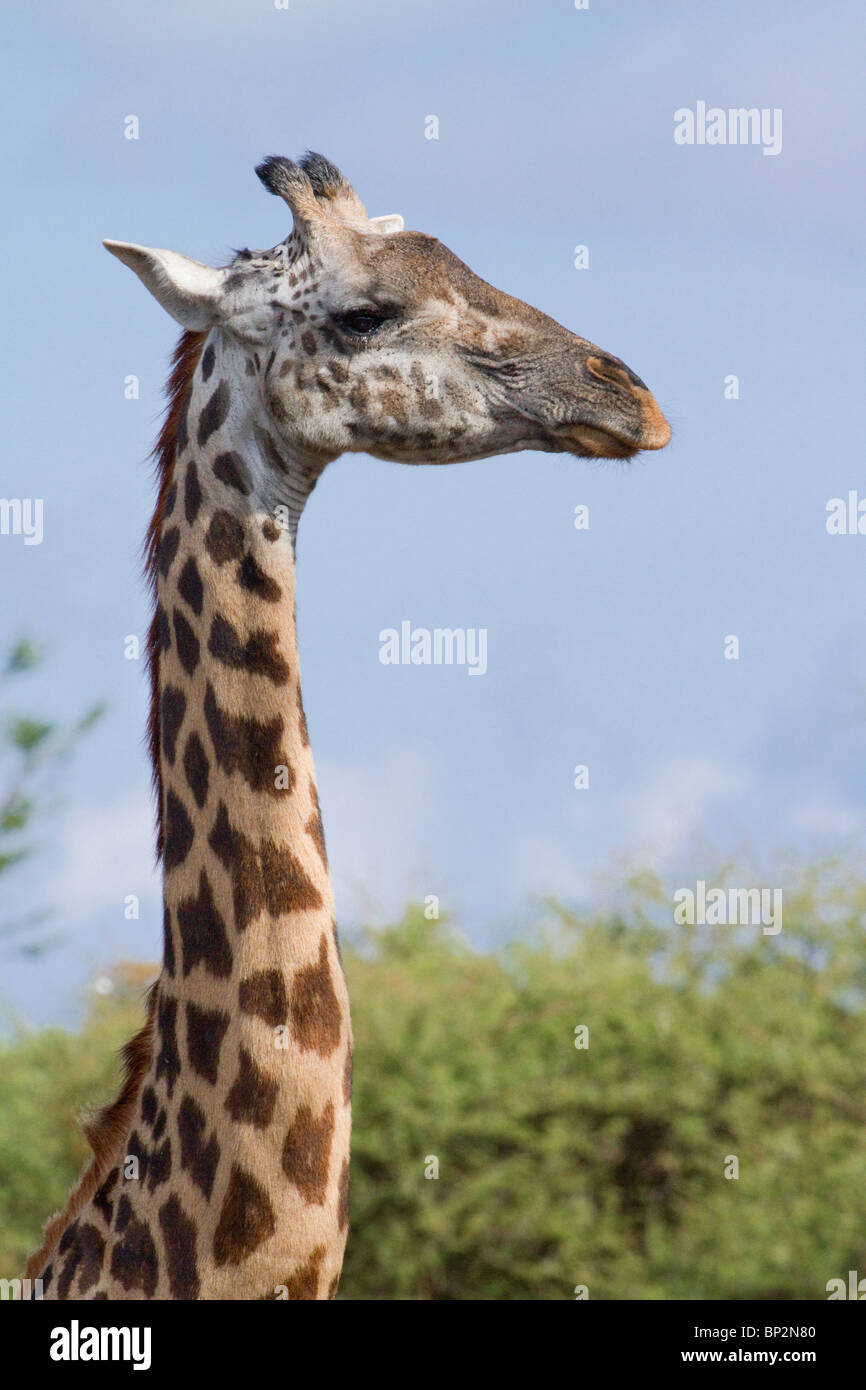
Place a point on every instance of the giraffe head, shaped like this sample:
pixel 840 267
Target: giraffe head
pixel 359 336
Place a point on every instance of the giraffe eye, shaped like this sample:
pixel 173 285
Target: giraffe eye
pixel 361 323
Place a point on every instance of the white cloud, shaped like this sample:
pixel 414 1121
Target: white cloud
pixel 376 828
pixel 825 817
pixel 107 853
pixel 543 866
pixel 675 807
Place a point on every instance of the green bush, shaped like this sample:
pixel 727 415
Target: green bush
pixel 561 1166
pixel 47 1079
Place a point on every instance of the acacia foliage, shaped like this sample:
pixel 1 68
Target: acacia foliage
pixel 560 1166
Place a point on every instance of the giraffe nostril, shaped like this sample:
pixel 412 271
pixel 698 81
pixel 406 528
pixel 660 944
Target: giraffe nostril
pixel 616 372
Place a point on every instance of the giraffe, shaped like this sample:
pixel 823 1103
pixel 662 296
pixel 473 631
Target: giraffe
pixel 220 1171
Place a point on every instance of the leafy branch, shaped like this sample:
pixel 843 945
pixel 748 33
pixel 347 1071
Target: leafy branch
pixel 32 754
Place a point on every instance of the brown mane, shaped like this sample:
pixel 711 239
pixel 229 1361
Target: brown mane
pixel 183 364
pixel 108 1128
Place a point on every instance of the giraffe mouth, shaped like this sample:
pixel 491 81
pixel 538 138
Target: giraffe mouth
pixel 622 433
pixel 589 441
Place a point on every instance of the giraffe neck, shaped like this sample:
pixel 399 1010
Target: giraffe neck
pixel 240 1130
pixel 253 1035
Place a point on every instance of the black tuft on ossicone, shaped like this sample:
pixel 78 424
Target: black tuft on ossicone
pixel 325 177
pixel 282 176
pixel 278 174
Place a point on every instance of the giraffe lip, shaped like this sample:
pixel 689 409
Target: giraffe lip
pixel 591 441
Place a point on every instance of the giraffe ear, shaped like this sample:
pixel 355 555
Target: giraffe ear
pixel 188 290
pixel 390 223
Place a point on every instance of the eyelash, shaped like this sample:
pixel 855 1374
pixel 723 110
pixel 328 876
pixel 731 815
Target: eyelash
pixel 344 321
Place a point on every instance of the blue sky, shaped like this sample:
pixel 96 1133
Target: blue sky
pixel 605 646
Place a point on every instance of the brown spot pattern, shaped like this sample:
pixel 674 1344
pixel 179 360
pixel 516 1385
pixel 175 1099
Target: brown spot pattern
pixel 224 538
pixel 148 1106
pixel 231 470
pixel 70 1247
pixel 247 1218
pixel 202 932
pixel 214 413
pixel 205 1030
pixel 304 1283
pixel 102 1197
pixel 178 1238
pixel 264 995
pixel 197 1157
pixel 168 549
pixel 91 1252
pixel 190 586
pixel 173 706
pixel 196 768
pixel 179 831
pixel 258 655
pixel 159 1165
pixel 253 1096
pixel 315 829
pixel 163 631
pixel 133 1259
pixel 167 941
pixel 307 1151
pixel 251 576
pixel 192 494
pixel 315 1010
pixel 245 744
pixel 269 878
pixel 124 1214
pixel 168 1057
pixel 188 648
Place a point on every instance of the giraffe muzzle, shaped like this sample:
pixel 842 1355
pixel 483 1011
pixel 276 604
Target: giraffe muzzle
pixel 626 417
